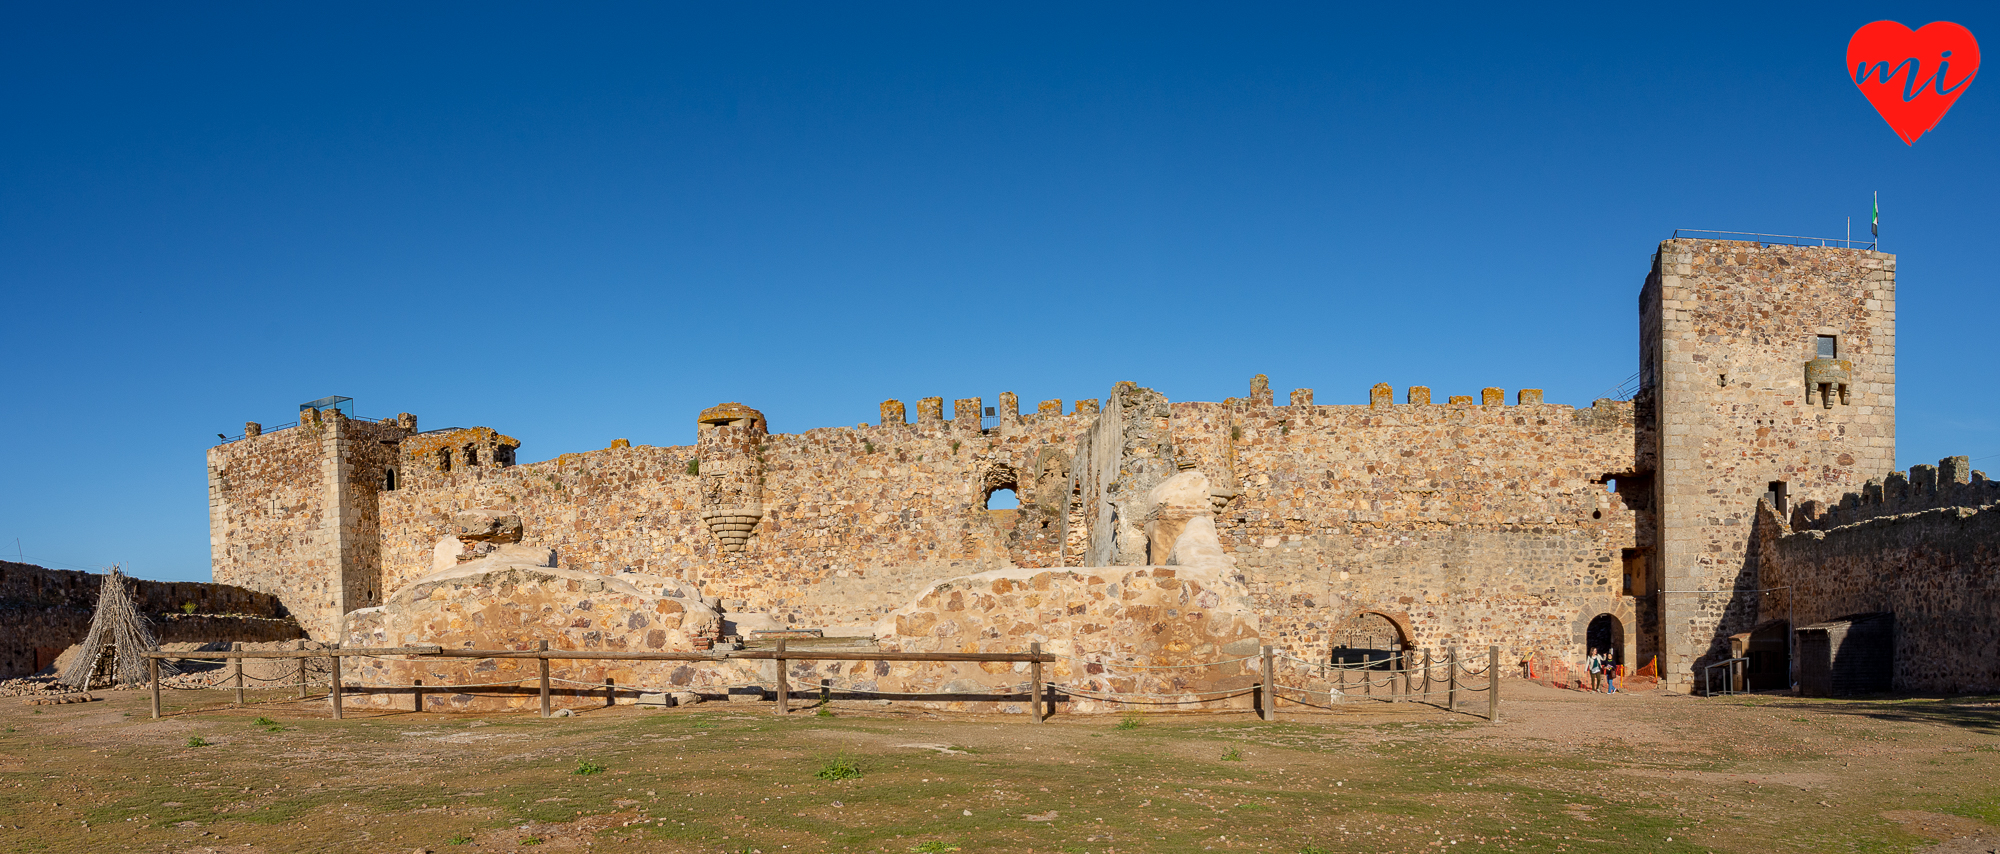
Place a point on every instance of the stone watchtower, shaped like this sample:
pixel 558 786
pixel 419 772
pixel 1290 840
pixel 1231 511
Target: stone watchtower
pixel 1766 370
pixel 729 444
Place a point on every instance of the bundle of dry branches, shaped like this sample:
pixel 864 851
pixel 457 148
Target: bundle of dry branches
pixel 119 634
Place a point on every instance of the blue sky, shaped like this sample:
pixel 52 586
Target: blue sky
pixel 581 225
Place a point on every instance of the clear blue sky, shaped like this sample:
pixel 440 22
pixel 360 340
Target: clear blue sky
pixel 575 225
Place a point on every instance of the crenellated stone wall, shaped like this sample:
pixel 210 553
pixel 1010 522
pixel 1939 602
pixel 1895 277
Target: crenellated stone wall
pixel 1928 551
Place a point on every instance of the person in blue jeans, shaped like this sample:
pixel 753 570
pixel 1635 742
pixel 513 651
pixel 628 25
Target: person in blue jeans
pixel 1610 675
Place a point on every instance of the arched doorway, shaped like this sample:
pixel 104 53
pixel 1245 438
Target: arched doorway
pixel 1368 636
pixel 1605 632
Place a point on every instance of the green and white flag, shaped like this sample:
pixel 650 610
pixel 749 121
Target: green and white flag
pixel 1875 221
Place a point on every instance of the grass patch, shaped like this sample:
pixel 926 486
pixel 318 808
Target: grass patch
pixel 1232 755
pixel 197 741
pixel 933 847
pixel 1130 722
pixel 839 768
pixel 586 768
pixel 458 840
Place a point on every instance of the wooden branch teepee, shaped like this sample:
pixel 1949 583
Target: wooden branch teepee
pixel 118 634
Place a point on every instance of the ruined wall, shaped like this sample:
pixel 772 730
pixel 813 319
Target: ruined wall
pixel 1929 553
pixel 44 611
pixel 1737 325
pixel 1468 523
pixel 854 520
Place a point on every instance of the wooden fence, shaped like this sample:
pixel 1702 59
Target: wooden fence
pixel 1044 704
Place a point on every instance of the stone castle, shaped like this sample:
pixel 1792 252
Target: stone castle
pixel 1766 377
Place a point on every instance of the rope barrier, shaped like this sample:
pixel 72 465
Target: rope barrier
pixel 1160 666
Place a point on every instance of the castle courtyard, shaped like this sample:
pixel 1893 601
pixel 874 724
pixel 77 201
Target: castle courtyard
pixel 1562 771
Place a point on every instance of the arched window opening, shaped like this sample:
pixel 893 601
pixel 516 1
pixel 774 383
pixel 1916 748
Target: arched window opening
pixel 999 488
pixel 471 455
pixel 1003 499
pixel 444 459
pixel 389 480
pixel 1605 635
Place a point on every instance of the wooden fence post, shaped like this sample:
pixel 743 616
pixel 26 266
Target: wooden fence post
pixel 1340 667
pixel 337 711
pixel 1035 680
pixel 302 671
pixel 1270 687
pixel 417 695
pixel 1493 683
pixel 239 671
pixel 1451 666
pixel 784 687
pixel 1396 673
pixel 610 692
pixel 543 647
pixel 154 665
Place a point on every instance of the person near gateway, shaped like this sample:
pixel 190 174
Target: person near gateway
pixel 1595 665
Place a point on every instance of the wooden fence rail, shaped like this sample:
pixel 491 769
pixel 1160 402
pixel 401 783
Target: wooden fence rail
pixel 1267 695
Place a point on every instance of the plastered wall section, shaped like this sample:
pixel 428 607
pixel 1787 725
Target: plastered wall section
pixel 1737 322
pixel 856 519
pixel 1469 523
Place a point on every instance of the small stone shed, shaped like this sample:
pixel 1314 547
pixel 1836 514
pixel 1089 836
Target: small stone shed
pixel 1855 654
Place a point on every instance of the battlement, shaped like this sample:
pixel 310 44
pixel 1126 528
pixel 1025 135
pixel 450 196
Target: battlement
pixel 1950 483
pixel 969 413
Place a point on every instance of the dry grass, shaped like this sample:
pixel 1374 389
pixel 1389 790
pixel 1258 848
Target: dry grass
pixel 1562 772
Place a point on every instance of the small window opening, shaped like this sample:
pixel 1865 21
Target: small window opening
pixel 1829 347
pixel 471 455
pixel 1003 499
pixel 389 481
pixel 503 456
pixel 444 459
pixel 1776 492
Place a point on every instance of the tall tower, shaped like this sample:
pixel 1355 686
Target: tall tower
pixel 1767 370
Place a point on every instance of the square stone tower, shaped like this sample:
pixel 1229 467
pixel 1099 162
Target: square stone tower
pixel 1766 370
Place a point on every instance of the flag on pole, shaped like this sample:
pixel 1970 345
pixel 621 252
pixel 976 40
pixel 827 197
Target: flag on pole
pixel 1875 221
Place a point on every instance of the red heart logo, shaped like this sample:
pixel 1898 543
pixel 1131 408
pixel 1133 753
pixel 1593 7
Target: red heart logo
pixel 1912 77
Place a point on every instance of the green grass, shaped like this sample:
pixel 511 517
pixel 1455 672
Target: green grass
pixel 1130 722
pixel 1232 755
pixel 587 767
pixel 839 768
pixel 197 741
pixel 458 840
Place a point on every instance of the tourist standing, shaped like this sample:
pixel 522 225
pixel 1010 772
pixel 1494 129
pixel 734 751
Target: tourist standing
pixel 1596 667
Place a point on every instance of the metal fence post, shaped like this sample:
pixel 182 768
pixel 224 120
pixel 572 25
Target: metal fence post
pixel 543 648
pixel 1493 683
pixel 302 671
pixel 1035 680
pixel 784 687
pixel 1396 673
pixel 1427 676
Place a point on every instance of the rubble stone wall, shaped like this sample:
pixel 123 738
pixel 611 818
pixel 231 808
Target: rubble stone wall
pixel 44 611
pixel 855 519
pixel 1933 568
pixel 1474 524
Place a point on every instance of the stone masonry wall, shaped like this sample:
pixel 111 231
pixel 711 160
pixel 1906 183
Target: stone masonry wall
pixel 1737 326
pixel 855 519
pixel 1469 523
pixel 44 611
pixel 1934 568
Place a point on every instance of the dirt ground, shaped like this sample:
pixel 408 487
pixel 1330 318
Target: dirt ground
pixel 1562 771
